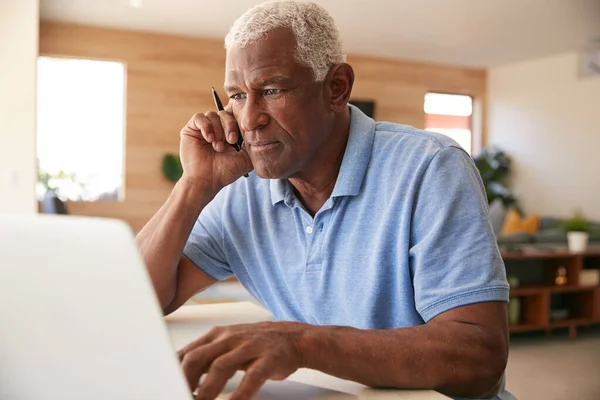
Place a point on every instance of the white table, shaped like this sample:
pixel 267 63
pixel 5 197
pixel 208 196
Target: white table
pixel 190 322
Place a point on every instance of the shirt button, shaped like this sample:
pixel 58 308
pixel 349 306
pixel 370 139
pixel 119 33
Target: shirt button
pixel 309 229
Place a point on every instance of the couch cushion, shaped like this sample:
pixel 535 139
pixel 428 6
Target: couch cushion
pixel 515 238
pixel 549 223
pixel 515 224
pixel 555 235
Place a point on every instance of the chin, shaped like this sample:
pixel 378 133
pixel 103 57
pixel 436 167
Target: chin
pixel 270 171
pixel 264 174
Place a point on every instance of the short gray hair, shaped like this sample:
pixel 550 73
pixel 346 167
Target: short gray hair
pixel 318 44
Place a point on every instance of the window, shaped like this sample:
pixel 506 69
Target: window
pixel 80 128
pixel 450 114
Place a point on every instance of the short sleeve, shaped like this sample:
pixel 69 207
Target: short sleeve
pixel 204 247
pixel 454 256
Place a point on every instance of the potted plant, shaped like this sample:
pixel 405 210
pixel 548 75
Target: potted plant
pixel 171 167
pixel 578 231
pixel 494 166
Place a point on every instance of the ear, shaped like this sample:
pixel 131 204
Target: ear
pixel 340 80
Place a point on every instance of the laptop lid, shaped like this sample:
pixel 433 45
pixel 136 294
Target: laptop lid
pixel 78 315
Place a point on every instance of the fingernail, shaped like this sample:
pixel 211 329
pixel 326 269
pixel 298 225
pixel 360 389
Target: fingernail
pixel 211 137
pixel 232 137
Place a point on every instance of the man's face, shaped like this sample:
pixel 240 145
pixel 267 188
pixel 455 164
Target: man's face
pixel 281 111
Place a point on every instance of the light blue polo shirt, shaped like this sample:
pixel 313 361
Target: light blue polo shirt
pixel 404 236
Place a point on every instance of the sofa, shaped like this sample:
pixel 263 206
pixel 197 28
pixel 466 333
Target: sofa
pixel 549 233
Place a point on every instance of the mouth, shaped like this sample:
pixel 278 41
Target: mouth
pixel 263 146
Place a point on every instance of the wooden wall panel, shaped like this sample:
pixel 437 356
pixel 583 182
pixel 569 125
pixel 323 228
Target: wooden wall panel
pixel 169 79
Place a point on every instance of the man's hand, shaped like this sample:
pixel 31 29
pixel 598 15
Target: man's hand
pixel 267 350
pixel 206 153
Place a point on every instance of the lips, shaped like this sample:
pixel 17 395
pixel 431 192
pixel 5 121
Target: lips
pixel 263 146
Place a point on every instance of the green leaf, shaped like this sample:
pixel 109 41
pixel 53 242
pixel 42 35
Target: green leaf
pixel 171 167
pixel 494 167
pixel 577 223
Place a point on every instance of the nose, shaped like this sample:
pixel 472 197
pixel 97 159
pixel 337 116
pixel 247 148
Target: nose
pixel 253 115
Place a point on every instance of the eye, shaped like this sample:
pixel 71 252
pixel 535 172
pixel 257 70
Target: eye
pixel 238 96
pixel 272 92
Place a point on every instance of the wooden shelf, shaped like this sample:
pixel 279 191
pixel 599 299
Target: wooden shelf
pixel 592 252
pixel 573 288
pixel 564 323
pixel 535 301
pixel 537 255
pixel 528 290
pixel 533 290
pixel 517 328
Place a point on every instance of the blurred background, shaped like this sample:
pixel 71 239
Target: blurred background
pixel 93 95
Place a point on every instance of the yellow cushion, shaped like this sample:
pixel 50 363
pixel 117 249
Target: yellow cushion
pixel 515 224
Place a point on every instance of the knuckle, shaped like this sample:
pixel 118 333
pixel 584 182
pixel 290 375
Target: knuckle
pixel 191 358
pixel 220 365
pixel 215 331
pixel 226 117
pixel 199 118
pixel 257 373
pixel 211 114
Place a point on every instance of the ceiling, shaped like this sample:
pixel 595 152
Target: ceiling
pixel 478 33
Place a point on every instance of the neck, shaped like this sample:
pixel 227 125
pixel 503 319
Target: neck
pixel 315 185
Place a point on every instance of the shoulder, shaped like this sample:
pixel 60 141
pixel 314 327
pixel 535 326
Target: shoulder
pixel 411 138
pixel 398 146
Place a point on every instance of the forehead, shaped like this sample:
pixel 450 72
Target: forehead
pixel 271 55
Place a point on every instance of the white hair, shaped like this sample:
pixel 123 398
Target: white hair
pixel 318 44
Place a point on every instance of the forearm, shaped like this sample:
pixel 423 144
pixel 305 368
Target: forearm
pixel 454 358
pixel 163 238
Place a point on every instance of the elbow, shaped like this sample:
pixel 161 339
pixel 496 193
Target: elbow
pixel 165 300
pixel 482 377
pixel 166 304
pixel 484 384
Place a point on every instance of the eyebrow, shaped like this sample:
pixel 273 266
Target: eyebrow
pixel 273 80
pixel 279 79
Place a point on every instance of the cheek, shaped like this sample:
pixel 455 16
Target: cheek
pixel 294 116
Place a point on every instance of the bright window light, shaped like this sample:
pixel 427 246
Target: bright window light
pixel 450 115
pixel 448 104
pixel 80 128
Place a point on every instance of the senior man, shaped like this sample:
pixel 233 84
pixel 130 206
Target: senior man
pixel 370 242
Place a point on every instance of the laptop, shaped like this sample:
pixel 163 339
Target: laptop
pixel 79 318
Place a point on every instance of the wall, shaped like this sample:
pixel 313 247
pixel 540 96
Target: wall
pixel 169 78
pixel 548 120
pixel 19 48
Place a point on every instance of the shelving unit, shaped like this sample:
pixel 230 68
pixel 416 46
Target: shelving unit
pixel 581 303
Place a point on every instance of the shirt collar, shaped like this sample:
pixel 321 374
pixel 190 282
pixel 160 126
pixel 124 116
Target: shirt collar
pixel 354 165
pixel 278 190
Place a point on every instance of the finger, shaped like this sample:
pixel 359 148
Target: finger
pixel 200 122
pixel 256 376
pixel 208 337
pixel 197 362
pixel 215 120
pixel 230 126
pixel 221 370
pixel 192 346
